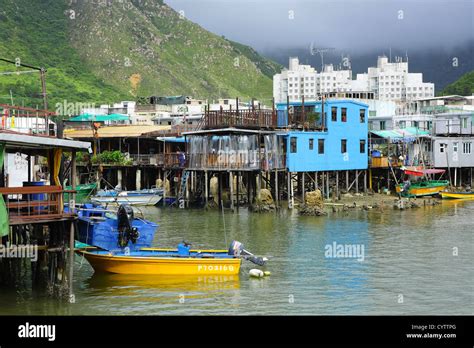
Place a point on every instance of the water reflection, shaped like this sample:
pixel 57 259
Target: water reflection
pixel 128 283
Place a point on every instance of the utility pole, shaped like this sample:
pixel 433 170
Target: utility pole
pixel 42 77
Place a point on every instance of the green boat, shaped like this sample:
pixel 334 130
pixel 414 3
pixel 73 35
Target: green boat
pixel 84 192
pixel 423 188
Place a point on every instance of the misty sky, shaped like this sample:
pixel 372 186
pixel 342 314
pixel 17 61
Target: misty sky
pixel 343 24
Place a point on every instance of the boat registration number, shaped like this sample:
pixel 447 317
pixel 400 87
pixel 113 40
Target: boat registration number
pixel 215 268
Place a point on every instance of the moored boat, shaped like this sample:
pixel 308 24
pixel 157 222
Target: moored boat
pixel 182 261
pixel 139 197
pixel 114 230
pixel 164 262
pixel 83 192
pixel 422 188
pixel 457 195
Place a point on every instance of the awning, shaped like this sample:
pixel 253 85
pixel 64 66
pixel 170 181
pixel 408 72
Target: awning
pixel 172 139
pixel 406 134
pixel 122 131
pixel 99 118
pixel 418 171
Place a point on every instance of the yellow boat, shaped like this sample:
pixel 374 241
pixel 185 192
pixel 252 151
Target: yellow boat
pixel 163 262
pixel 457 195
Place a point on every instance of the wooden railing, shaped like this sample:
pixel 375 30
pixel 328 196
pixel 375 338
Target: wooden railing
pixel 172 160
pixel 33 204
pixel 240 119
pixel 300 119
pixel 145 159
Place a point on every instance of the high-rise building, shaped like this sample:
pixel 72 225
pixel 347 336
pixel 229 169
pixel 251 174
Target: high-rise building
pixel 388 81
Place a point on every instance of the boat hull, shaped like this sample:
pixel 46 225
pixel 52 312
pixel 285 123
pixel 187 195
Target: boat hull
pixel 144 200
pixel 83 193
pixel 98 230
pixel 457 195
pixel 121 264
pixel 423 190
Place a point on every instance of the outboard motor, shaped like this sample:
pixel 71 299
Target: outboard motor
pixel 237 249
pixel 126 232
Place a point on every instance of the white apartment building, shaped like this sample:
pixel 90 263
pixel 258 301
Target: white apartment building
pixel 294 82
pixel 392 81
pixel 388 82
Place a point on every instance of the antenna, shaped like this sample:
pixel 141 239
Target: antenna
pixel 321 50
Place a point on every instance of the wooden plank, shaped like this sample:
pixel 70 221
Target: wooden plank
pixel 26 204
pixel 30 189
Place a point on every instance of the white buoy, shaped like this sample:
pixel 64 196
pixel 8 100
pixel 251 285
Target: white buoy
pixel 256 273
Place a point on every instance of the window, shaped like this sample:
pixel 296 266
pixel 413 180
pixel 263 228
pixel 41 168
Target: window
pixel 429 125
pixel 334 113
pixel 415 124
pixel 442 147
pixel 466 148
pixel 343 145
pixel 402 124
pixel 362 115
pixel 320 146
pixel 464 122
pixel 382 125
pixel 455 146
pixel 293 144
pixel 311 143
pixel 344 114
pixel 362 146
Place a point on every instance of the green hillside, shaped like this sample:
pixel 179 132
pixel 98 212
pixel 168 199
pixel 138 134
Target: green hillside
pixel 121 50
pixel 463 86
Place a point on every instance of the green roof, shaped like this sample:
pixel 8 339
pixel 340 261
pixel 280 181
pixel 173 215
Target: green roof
pixel 99 118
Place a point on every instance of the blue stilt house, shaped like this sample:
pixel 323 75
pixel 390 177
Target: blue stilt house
pixel 329 137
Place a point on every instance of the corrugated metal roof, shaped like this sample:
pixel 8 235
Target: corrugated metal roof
pixel 12 139
pixel 126 131
pixel 409 132
pixel 99 118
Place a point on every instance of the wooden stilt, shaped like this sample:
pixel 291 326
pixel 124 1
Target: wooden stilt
pixel 288 189
pixel 206 188
pixel 357 181
pixel 323 187
pixel 388 179
pixel 259 182
pixel 219 189
pixel 292 192
pixel 249 188
pixel 231 186
pixel 302 186
pixel 370 179
pixel 347 181
pixel 237 184
pixel 337 184
pixel 164 188
pixel 327 185
pixel 365 181
pixel 277 198
pixel 316 180
pixel 71 262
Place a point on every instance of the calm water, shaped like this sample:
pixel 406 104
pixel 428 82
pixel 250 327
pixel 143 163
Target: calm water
pixel 407 253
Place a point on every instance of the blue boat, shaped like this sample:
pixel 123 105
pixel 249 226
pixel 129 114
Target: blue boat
pixel 114 231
